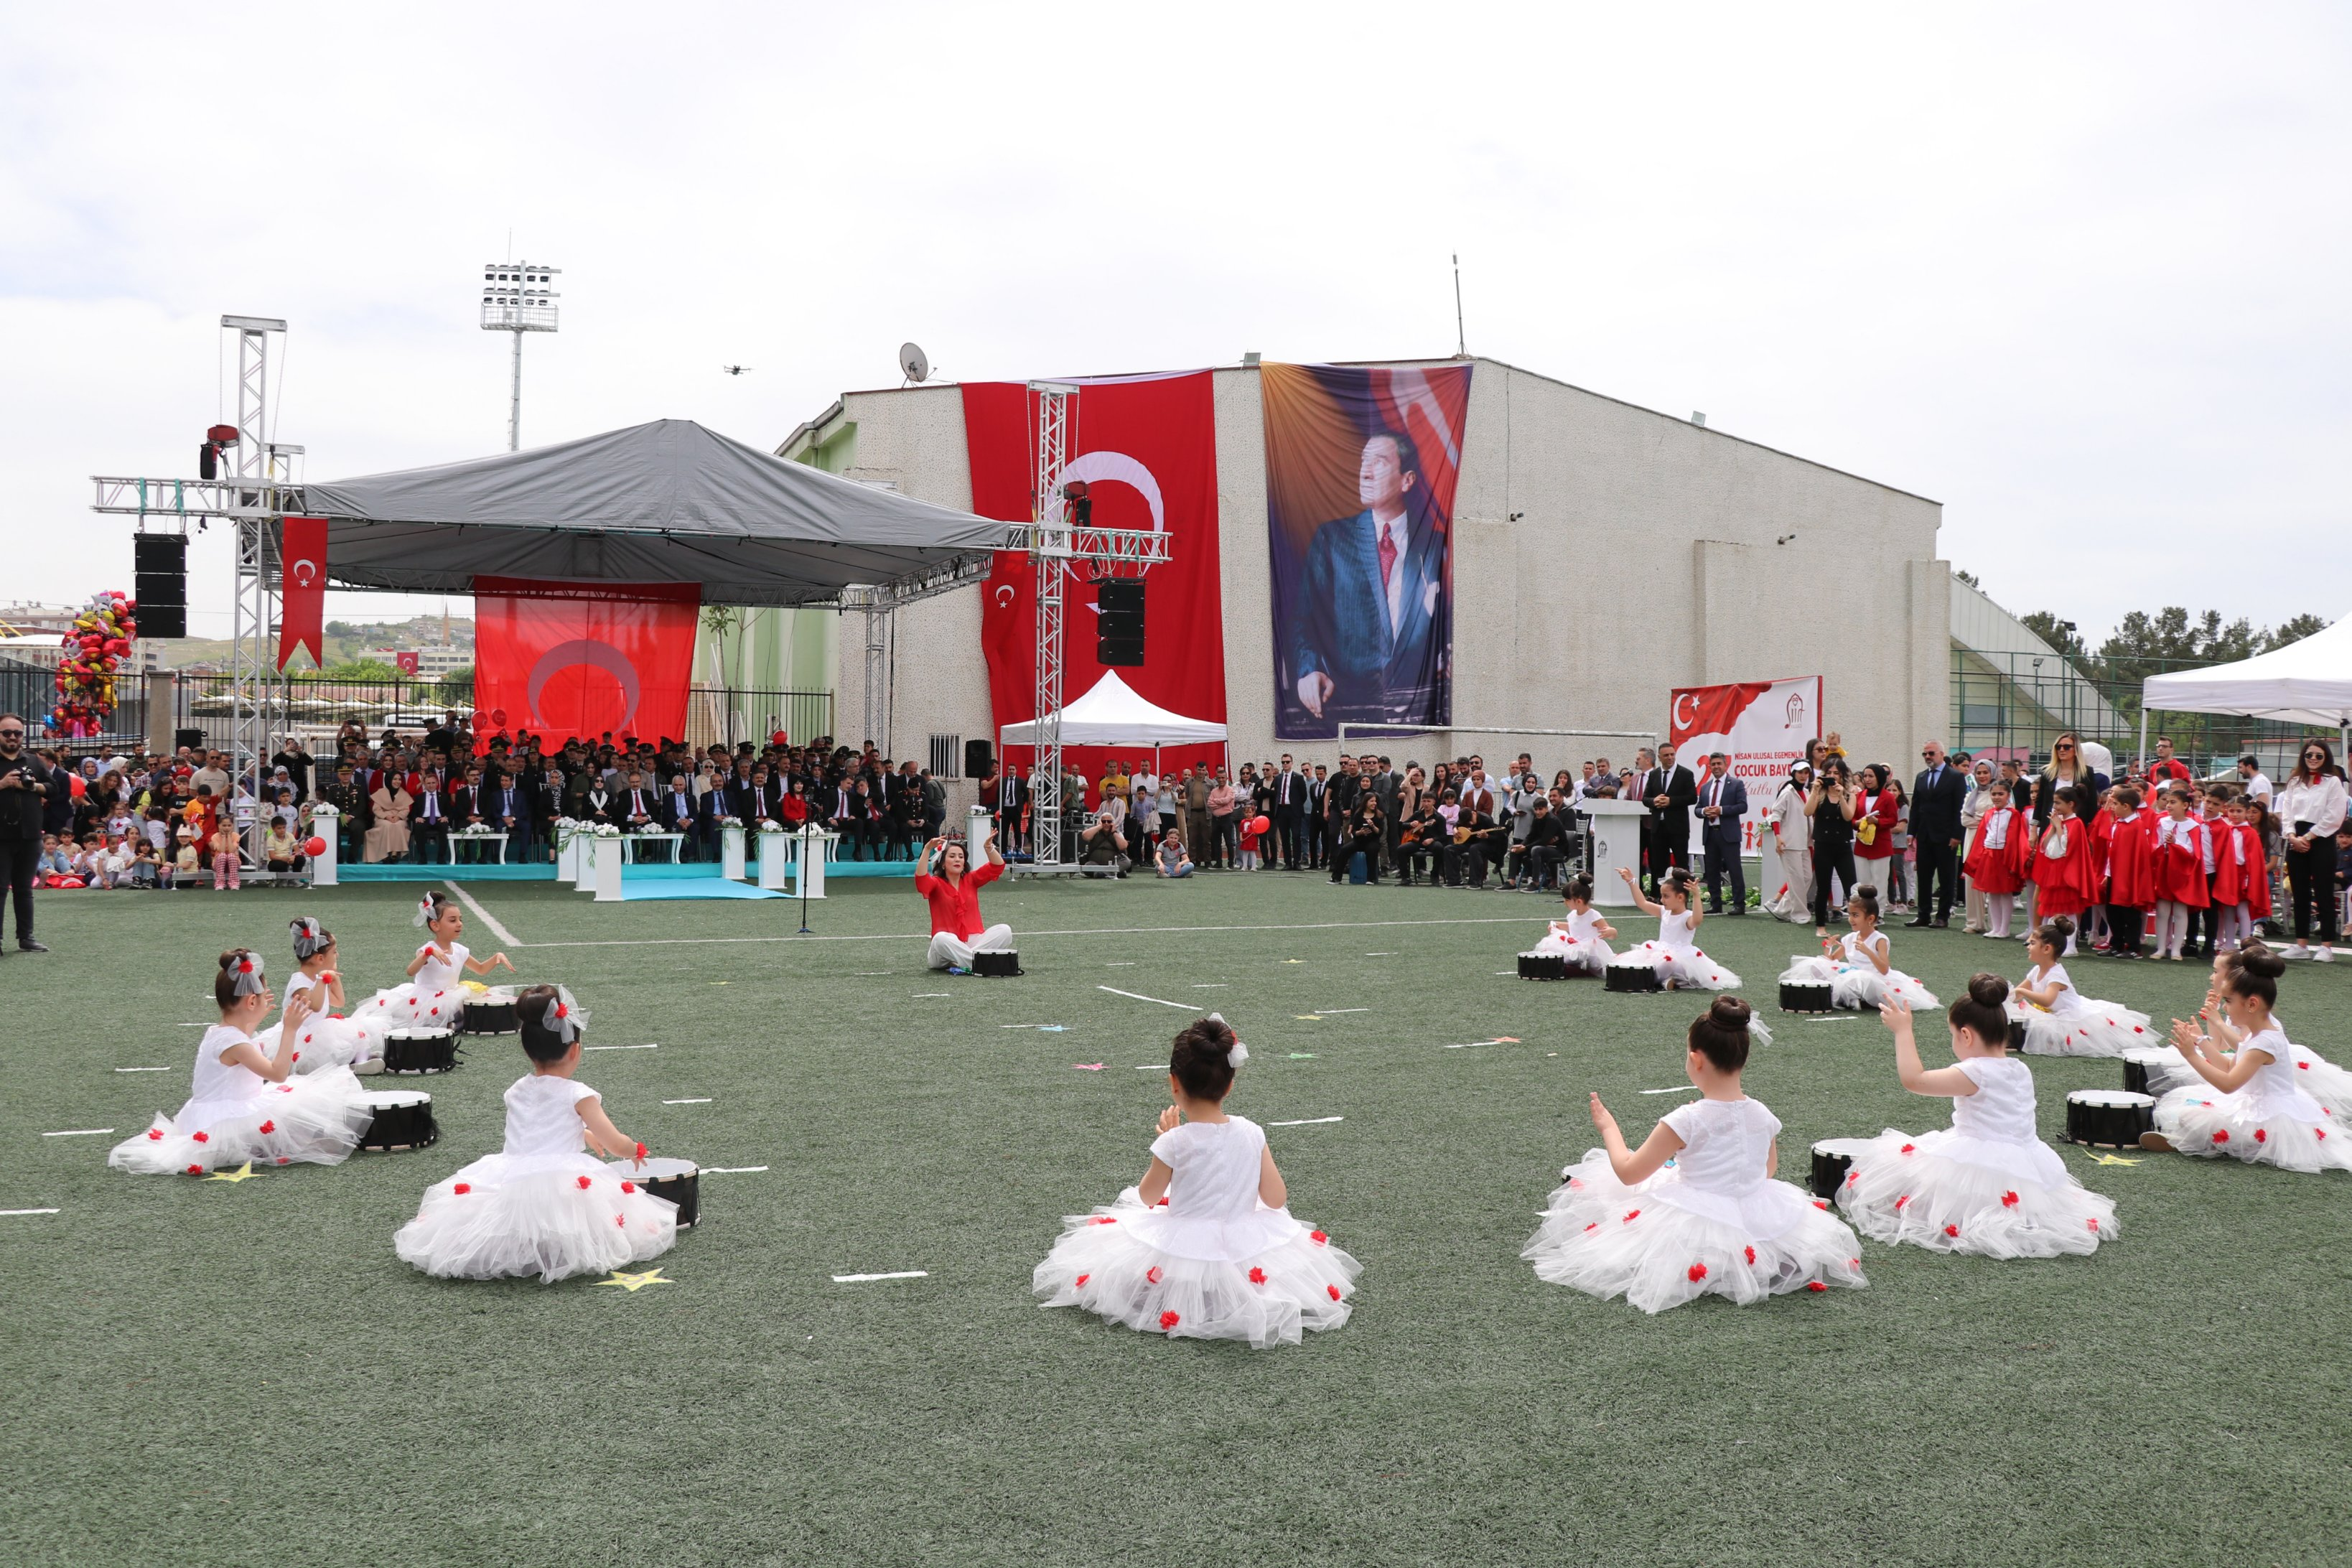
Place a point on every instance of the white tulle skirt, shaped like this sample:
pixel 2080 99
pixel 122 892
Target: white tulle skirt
pixel 2101 1029
pixel 2325 1082
pixel 1662 1243
pixel 550 1215
pixel 404 1006
pixel 1859 985
pixel 1687 968
pixel 1948 1192
pixel 1584 956
pixel 315 1119
pixel 1287 1278
pixel 328 1041
pixel 2203 1121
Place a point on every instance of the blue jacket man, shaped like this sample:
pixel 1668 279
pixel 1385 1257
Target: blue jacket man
pixel 1722 807
pixel 1368 632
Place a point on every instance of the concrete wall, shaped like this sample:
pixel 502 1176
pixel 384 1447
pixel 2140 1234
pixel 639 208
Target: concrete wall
pixel 1604 555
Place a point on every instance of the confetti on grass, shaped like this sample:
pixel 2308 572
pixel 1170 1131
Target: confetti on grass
pixel 633 1283
pixel 1307 1122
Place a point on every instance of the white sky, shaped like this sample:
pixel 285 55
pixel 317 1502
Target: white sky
pixel 2076 272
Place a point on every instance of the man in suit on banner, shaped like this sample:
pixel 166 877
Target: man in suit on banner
pixel 1722 807
pixel 1368 642
pixel 1936 797
pixel 1668 790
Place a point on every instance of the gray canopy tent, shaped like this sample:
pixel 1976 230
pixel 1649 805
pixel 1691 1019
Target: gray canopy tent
pixel 664 502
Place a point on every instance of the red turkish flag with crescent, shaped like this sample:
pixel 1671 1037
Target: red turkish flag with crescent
pixel 565 659
pixel 1147 448
pixel 302 588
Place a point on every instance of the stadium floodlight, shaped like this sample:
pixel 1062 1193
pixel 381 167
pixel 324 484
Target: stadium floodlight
pixel 516 297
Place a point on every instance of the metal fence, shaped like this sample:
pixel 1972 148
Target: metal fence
pixel 2015 704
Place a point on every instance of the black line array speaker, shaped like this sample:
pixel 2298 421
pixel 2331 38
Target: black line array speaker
pixel 159 573
pixel 1118 621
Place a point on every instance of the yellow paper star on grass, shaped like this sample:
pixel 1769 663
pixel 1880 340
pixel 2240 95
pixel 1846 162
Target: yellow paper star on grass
pixel 2112 1159
pixel 633 1283
pixel 243 1173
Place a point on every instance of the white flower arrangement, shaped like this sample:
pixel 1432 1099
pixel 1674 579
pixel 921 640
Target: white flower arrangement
pixel 730 821
pixel 651 828
pixel 769 824
pixel 605 830
pixel 476 830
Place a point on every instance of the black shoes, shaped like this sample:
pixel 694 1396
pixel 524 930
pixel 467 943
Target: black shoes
pixel 1922 923
pixel 30 946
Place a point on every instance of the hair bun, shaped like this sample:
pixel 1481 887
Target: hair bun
pixel 1987 990
pixel 2255 959
pixel 1730 1012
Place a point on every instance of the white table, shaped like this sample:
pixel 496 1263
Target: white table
pixel 1616 826
pixel 457 839
pixel 633 839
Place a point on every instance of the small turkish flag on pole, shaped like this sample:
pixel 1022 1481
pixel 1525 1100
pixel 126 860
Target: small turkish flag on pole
pixel 302 594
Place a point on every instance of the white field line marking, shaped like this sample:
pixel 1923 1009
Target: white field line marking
pixel 487 918
pixel 1127 965
pixel 29 1211
pixel 1380 956
pixel 195 1025
pixel 1115 991
pixel 702 1101
pixel 143 1069
pixel 1309 1122
pixel 873 974
pixel 651 1047
pixel 930 995
pixel 1343 1009
pixel 868 1279
pixel 1849 1019
pixel 1155 1066
pixel 1103 931
pixel 732 1170
pixel 1686 1088
pixel 79 1132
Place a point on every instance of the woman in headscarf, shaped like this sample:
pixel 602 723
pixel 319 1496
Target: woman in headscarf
pixel 1792 840
pixel 387 834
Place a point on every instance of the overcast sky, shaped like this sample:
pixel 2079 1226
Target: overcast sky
pixel 2076 272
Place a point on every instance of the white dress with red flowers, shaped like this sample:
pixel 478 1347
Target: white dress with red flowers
pixel 435 999
pixel 2270 1122
pixel 1576 939
pixel 1711 1223
pixel 1987 1184
pixel 1212 1262
pixel 234 1115
pixel 2322 1080
pixel 2075 1025
pixel 329 1039
pixel 542 1206
pixel 1853 979
pixel 1676 958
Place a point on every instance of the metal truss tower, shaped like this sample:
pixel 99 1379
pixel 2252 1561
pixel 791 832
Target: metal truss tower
pixel 1049 553
pixel 257 696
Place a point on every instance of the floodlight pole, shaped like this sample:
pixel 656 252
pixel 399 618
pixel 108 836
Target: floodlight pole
pixel 514 398
pixel 516 299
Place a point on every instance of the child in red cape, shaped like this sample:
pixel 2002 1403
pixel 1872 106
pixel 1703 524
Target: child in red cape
pixel 1998 857
pixel 2131 873
pixel 2063 877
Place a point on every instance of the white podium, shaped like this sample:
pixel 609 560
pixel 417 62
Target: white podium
pixel 604 855
pixel 979 826
pixel 731 852
pixel 325 823
pixel 1616 829
pixel 808 868
pixel 568 852
pixel 775 855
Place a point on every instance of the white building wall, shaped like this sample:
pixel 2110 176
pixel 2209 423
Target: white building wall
pixel 1604 555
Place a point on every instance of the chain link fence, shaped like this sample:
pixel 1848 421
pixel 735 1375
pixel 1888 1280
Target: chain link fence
pixel 2015 705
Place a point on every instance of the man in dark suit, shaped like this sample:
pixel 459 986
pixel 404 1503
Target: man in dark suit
pixel 509 811
pixel 1289 811
pixel 1668 790
pixel 679 815
pixel 1367 634
pixel 1936 797
pixel 1722 807
pixel 1319 785
pixel 1339 798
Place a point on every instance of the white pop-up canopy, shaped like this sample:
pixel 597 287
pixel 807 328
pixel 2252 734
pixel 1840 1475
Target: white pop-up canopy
pixel 1113 715
pixel 2307 682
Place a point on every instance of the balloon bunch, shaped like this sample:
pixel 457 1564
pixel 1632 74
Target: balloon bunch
pixel 101 637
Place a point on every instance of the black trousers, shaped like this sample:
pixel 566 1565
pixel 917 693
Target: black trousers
pixel 1722 855
pixel 1289 832
pixel 2126 928
pixel 16 857
pixel 1940 877
pixel 2310 880
pixel 1829 859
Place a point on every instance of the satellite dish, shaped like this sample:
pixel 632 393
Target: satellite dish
pixel 914 362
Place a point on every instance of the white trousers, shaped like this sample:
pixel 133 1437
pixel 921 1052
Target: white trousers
pixel 1797 871
pixel 950 951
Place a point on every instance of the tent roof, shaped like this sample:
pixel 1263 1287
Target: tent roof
pixel 1113 715
pixel 664 502
pixel 2307 682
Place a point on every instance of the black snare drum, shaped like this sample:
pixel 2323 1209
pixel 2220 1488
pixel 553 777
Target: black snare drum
pixel 680 1181
pixel 2139 1063
pixel 1804 996
pixel 420 1050
pixel 1543 966
pixel 490 1015
pixel 1631 977
pixel 404 1119
pixel 1831 1156
pixel 1002 962
pixel 2110 1119
pixel 2016 1034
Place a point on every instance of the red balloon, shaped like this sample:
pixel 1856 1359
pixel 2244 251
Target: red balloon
pixel 314 845
pixel 1261 825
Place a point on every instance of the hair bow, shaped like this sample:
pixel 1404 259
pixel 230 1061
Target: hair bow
pixel 250 980
pixel 1240 1053
pixel 424 915
pixel 559 1021
pixel 309 937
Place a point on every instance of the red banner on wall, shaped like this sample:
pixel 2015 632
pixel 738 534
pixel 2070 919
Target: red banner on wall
pixel 302 588
pixel 1147 448
pixel 1763 726
pixel 565 659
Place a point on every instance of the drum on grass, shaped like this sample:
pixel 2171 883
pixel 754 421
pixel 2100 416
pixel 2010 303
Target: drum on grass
pixel 1543 966
pixel 491 1014
pixel 2016 1034
pixel 680 1181
pixel 2109 1118
pixel 1804 996
pixel 1831 1156
pixel 402 1120
pixel 1001 964
pixel 1631 977
pixel 2140 1062
pixel 420 1050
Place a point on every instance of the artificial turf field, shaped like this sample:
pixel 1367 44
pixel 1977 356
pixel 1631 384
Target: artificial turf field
pixel 243 1372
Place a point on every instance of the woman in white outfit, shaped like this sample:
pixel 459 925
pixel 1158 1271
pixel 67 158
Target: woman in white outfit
pixel 1792 840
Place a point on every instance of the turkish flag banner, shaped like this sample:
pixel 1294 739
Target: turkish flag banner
pixel 1147 448
pixel 582 660
pixel 1763 726
pixel 302 590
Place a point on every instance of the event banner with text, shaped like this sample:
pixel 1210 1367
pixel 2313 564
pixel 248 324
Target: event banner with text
pixel 1147 448
pixel 1360 467
pixel 1762 725
pixel 585 659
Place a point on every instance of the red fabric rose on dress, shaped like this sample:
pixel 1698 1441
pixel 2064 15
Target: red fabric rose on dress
pixel 2262 1136
pixel 1153 1276
pixel 1951 1230
pixel 2009 1200
pixel 268 1127
pixel 155 1134
pixel 195 1170
pixel 1908 1147
pixel 1169 1320
pixel 204 1137
pixel 1697 1272
pixel 1317 1237
pixel 1334 1291
pixel 1752 1254
pixel 1084 1277
pixel 584 1184
pixel 1632 1216
pixel 462 1188
pixel 628 1187
pixel 1816 1285
pixel 2221 1134
pixel 1257 1276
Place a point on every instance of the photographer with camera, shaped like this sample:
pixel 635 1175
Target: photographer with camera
pixel 1102 847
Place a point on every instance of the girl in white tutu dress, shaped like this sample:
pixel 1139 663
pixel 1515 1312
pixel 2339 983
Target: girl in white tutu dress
pixel 1715 1223
pixel 326 1037
pixel 1858 967
pixel 245 1106
pixel 1987 1185
pixel 2060 1021
pixel 1674 956
pixel 2250 1105
pixel 543 1204
pixel 1204 1246
pixel 2167 1069
pixel 1582 939
pixel 434 995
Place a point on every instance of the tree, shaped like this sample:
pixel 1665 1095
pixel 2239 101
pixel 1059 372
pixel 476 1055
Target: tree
pixel 1968 577
pixel 2293 631
pixel 2060 634
pixel 458 686
pixel 361 670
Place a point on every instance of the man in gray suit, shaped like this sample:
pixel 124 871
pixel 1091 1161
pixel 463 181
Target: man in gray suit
pixel 1368 634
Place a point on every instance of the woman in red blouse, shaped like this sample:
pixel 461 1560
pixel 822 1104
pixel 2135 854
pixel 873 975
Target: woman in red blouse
pixel 954 897
pixel 1882 810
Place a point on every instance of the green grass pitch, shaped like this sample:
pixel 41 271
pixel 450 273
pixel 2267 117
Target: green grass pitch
pixel 230 1373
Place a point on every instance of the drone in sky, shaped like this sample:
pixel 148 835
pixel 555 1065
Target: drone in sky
pixel 734 368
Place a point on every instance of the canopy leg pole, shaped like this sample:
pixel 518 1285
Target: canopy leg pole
pixel 2142 758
